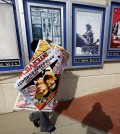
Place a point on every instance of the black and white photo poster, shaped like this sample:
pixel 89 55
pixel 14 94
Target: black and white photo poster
pixel 87 35
pixel 88 26
pixel 46 24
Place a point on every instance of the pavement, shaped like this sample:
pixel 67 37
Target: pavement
pixel 18 123
pixel 93 114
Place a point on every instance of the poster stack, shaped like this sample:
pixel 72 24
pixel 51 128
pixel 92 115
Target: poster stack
pixel 39 81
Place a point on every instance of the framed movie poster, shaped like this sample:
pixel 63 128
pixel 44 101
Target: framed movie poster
pixel 87 34
pixel 45 20
pixel 113 38
pixel 11 54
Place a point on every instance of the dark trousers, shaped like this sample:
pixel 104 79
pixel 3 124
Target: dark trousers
pixel 43 119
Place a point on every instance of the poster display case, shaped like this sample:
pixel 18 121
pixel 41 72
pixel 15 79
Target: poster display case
pixel 113 32
pixel 46 20
pixel 79 27
pixel 87 22
pixel 11 55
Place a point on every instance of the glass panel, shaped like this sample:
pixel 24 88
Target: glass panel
pixel 46 24
pixel 8 39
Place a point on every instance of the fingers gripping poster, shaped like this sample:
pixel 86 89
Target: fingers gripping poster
pixel 41 76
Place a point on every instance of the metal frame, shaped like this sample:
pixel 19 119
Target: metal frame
pixel 71 65
pixel 115 51
pixel 52 4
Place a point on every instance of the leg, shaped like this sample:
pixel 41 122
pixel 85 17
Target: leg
pixel 35 117
pixel 46 125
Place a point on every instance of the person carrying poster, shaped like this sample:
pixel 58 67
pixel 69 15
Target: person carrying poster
pixel 43 71
pixel 42 94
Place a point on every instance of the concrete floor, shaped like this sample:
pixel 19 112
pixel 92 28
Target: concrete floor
pixel 99 110
pixel 18 123
pixel 93 114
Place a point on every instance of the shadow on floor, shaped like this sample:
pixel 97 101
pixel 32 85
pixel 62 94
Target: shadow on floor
pixel 103 107
pixel 98 119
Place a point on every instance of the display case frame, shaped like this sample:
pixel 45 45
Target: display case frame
pixel 83 60
pixel 51 6
pixel 112 51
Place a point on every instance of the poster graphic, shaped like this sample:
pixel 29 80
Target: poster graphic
pixel 88 30
pixel 115 31
pixel 46 24
pixel 41 76
pixel 46 29
pixel 23 104
pixel 87 35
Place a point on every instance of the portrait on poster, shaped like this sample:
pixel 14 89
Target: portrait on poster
pixel 115 29
pixel 87 32
pixel 46 23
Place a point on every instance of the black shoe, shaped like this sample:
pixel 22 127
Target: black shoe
pixel 36 124
pixel 51 130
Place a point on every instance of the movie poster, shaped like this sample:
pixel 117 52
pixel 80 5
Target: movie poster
pixel 46 24
pixel 115 29
pixel 40 79
pixel 88 31
pixel 24 104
